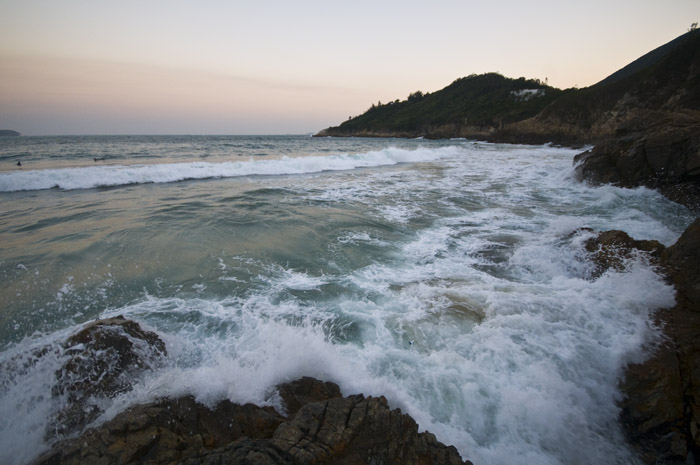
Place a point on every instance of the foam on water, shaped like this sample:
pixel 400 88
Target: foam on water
pixel 119 175
pixel 478 313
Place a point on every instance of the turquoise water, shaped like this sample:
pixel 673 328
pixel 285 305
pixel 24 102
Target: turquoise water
pixel 448 276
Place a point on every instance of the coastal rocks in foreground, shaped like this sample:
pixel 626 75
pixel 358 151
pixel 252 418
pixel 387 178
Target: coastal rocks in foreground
pixel 610 250
pixel 318 424
pixel 321 426
pixel 104 357
pixel 682 263
pixel 661 407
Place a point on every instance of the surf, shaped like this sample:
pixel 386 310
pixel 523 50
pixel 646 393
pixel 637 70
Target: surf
pixel 123 175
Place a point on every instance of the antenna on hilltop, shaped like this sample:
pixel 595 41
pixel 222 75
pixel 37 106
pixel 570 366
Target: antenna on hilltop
pixel 693 27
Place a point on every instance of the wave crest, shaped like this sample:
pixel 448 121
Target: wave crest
pixel 120 175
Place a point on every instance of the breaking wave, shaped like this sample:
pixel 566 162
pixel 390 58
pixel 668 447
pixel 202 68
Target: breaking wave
pixel 121 175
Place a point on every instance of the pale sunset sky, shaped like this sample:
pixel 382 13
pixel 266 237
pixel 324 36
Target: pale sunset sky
pixel 285 67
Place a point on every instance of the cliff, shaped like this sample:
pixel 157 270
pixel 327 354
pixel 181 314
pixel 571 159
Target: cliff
pixel 664 155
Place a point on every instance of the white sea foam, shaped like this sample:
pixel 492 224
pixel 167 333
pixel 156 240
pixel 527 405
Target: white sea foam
pixel 119 175
pixel 484 321
pixel 530 372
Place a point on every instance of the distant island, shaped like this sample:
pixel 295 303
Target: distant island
pixel 9 133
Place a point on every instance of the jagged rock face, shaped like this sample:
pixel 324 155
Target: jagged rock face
pixel 104 357
pixel 306 390
pixel 358 430
pixel 660 410
pixel 665 156
pixel 322 427
pixel 682 260
pixel 610 249
pixel 165 432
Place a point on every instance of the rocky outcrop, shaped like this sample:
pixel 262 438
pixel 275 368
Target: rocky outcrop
pixel 664 155
pixel 317 424
pixel 9 133
pixel 661 407
pixel 611 249
pixel 104 357
pixel 682 262
pixel 321 427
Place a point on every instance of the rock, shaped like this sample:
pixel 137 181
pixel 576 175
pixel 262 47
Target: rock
pixel 652 411
pixel 324 428
pixel 610 249
pixel 104 357
pixel 682 261
pixel 165 432
pixel 243 451
pixel 660 411
pixel 664 154
pixel 358 430
pixel 306 390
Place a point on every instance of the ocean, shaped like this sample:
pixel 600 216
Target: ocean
pixel 449 276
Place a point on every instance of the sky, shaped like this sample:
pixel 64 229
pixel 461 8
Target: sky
pixel 285 67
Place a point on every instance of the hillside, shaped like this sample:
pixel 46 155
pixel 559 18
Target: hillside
pixel 486 107
pixel 644 61
pixel 662 82
pixel 472 106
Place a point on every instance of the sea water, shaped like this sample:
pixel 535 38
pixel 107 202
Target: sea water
pixel 449 276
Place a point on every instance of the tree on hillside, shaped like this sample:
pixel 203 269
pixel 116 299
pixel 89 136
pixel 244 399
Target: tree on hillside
pixel 417 95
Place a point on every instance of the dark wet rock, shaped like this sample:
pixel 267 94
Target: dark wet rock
pixel 611 249
pixel 243 451
pixel 682 262
pixel 305 390
pixel 664 155
pixel 358 430
pixel 165 432
pixel 660 411
pixel 652 411
pixel 105 356
pixel 325 428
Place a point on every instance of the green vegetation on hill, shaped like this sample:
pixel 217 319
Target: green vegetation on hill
pixel 495 108
pixel 479 101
